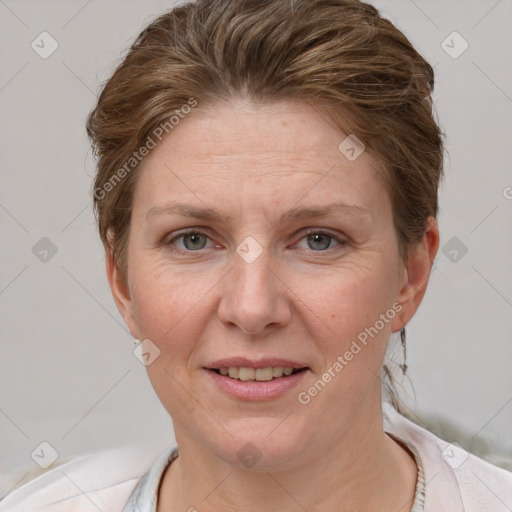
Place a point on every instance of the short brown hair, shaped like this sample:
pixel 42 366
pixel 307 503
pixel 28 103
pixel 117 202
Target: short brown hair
pixel 339 54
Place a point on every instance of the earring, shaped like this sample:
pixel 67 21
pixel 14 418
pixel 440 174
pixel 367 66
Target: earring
pixel 402 339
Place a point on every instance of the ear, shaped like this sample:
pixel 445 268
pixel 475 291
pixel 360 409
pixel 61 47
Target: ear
pixel 416 274
pixel 121 293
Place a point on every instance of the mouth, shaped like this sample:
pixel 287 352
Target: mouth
pixel 265 379
pixel 266 374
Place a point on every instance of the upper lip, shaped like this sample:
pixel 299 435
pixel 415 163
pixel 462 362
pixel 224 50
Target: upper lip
pixel 243 362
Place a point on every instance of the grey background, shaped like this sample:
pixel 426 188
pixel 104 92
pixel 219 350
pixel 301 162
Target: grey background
pixel 67 372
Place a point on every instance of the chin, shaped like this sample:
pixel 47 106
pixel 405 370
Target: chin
pixel 261 444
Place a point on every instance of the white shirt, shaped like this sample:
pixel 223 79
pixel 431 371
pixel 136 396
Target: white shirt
pixel 124 480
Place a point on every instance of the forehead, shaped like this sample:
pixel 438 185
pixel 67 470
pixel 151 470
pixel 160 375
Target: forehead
pixel 257 132
pixel 281 151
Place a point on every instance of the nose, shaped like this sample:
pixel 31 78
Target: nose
pixel 254 298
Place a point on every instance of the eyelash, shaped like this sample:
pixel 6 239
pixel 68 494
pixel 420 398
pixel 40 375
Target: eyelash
pixel 310 231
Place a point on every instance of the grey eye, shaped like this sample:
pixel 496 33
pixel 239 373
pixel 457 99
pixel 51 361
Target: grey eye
pixel 194 241
pixel 319 241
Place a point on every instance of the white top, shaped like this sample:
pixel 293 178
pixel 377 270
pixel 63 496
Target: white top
pixel 123 480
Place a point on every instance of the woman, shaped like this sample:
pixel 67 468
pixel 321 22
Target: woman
pixel 267 198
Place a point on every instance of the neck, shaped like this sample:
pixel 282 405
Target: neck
pixel 364 469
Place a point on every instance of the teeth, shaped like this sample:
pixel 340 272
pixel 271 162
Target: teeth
pixel 263 374
pixel 246 373
pixel 277 371
pixel 258 374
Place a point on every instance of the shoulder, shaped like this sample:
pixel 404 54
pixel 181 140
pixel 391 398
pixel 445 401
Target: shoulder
pixel 102 480
pixel 455 479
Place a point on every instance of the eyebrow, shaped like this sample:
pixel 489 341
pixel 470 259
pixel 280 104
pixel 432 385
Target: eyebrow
pixel 295 214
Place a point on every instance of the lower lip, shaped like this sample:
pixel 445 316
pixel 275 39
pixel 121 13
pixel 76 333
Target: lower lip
pixel 256 390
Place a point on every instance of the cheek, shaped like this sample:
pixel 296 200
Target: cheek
pixel 356 312
pixel 168 305
pixel 345 302
pixel 169 309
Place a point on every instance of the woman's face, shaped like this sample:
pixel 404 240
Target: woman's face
pixel 290 260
